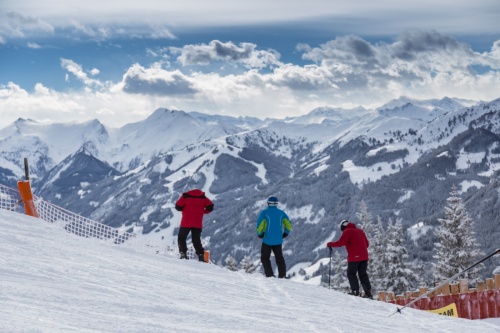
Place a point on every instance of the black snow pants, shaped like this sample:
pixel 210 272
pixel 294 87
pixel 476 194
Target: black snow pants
pixel 195 236
pixel 359 268
pixel 265 259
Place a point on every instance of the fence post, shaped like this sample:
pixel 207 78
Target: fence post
pixel 27 197
pixel 424 302
pixel 464 299
pixel 464 286
pixel 474 310
pixel 483 300
pixel 206 256
pixel 497 294
pixel 489 284
pixel 445 289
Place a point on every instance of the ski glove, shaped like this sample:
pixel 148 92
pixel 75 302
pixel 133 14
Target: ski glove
pixel 330 244
pixel 285 235
pixel 262 235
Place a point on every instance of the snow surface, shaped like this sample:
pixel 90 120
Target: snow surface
pixel 52 281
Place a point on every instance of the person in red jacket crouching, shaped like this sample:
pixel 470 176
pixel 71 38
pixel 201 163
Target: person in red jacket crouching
pixel 356 244
pixel 193 205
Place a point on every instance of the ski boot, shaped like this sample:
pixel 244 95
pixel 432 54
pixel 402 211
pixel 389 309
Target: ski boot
pixel 368 294
pixel 183 255
pixel 353 293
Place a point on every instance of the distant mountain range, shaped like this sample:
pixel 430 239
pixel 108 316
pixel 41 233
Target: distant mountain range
pixel 400 159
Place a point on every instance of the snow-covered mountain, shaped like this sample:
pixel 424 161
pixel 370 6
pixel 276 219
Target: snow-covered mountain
pixel 400 159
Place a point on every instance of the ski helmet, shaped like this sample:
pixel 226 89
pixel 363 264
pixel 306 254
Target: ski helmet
pixel 272 201
pixel 343 224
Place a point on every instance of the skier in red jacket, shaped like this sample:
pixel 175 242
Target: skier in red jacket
pixel 356 244
pixel 193 205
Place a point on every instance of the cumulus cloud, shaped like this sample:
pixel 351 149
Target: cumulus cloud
pixel 113 108
pixel 299 78
pixel 156 81
pixel 79 73
pixel 346 71
pixel 413 59
pixel 245 54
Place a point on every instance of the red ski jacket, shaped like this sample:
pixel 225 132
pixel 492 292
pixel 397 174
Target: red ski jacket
pixel 355 242
pixel 193 204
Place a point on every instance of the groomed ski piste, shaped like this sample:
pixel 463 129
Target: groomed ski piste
pixel 54 281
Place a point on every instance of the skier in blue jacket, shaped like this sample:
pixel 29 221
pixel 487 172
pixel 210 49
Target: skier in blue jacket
pixel 272 226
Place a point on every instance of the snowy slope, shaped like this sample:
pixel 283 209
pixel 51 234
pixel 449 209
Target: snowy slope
pixel 52 281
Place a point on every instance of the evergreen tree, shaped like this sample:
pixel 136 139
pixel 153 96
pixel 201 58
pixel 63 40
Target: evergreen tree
pixel 338 279
pixel 247 265
pixel 399 275
pixel 366 224
pixel 379 260
pixel 457 248
pixel 365 219
pixel 231 263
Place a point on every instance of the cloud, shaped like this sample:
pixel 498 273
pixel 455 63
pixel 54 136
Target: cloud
pixel 375 17
pixel 161 32
pixel 156 81
pixel 15 25
pixel 344 72
pixel 114 108
pixel 216 51
pixel 411 45
pixel 493 58
pixel 307 78
pixel 414 59
pixel 78 72
pixel 34 46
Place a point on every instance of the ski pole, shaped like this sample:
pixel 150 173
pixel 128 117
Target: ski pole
pixel 446 281
pixel 330 269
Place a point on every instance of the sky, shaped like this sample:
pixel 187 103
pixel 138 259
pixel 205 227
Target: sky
pixel 53 281
pixel 118 61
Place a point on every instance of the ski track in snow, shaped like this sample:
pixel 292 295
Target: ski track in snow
pixel 52 281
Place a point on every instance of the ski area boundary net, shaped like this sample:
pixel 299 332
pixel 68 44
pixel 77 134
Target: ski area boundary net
pixel 10 199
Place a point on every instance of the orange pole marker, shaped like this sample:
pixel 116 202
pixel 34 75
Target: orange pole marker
pixel 27 197
pixel 206 256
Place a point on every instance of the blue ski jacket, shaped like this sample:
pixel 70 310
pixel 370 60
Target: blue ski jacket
pixel 272 223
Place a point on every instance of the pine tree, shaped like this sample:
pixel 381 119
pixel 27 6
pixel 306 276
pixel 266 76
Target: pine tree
pixel 231 263
pixel 338 279
pixel 457 248
pixel 379 260
pixel 365 219
pixel 399 275
pixel 247 265
pixel 366 224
